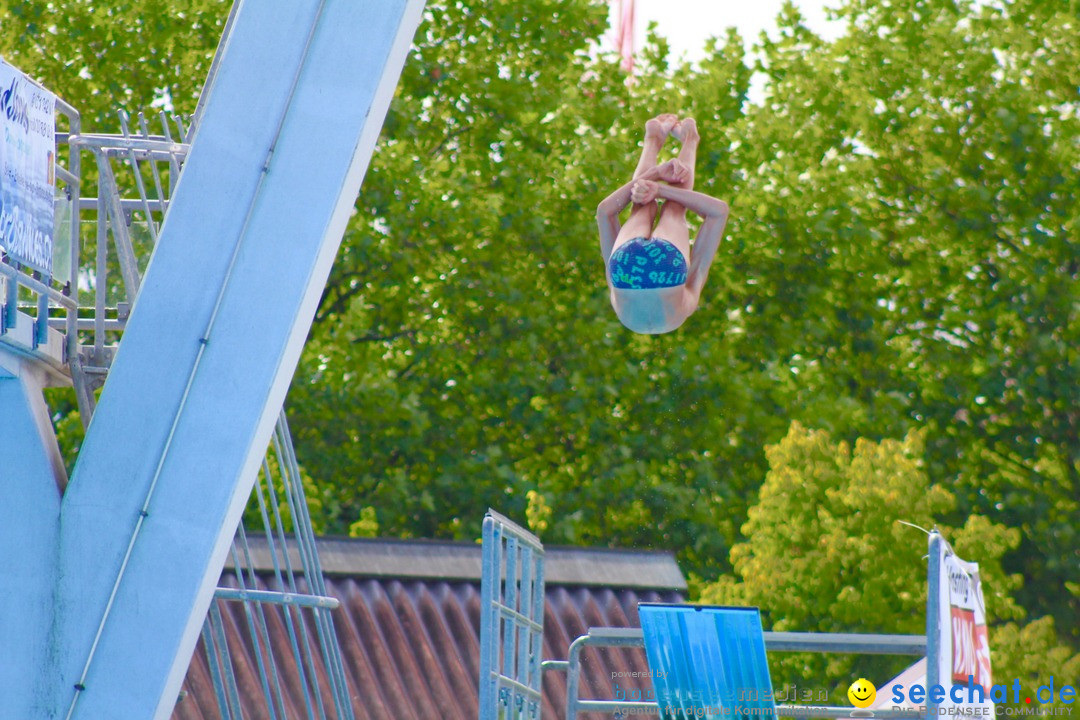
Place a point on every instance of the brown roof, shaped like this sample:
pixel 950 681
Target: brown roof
pixel 409 627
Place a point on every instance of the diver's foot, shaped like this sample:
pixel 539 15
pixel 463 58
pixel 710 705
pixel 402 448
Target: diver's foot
pixel 685 129
pixel 660 126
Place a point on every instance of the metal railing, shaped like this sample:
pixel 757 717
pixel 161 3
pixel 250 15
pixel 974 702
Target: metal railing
pixel 511 621
pixel 136 171
pixel 70 320
pixel 300 667
pixel 866 644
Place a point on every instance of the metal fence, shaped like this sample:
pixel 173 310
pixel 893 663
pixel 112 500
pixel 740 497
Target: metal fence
pixel 510 631
pixel 136 172
pixel 70 320
pixel 511 621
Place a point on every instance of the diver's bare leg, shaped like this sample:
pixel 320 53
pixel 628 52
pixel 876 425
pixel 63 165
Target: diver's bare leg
pixel 672 223
pixel 640 222
pixel 686 132
pixel 656 132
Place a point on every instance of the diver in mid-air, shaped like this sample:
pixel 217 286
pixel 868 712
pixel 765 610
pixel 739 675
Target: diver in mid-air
pixel 655 279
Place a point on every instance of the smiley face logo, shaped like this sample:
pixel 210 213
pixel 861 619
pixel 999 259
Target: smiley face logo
pixel 862 693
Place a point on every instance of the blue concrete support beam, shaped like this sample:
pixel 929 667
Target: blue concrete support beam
pixel 170 457
pixel 31 476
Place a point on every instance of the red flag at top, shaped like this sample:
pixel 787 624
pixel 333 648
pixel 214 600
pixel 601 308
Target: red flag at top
pixel 624 33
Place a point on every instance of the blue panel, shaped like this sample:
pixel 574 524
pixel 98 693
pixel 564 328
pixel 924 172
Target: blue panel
pixel 707 661
pixel 30 474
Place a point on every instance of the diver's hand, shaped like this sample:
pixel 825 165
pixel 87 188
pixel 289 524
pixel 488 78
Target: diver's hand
pixel 652 173
pixel 674 171
pixel 644 191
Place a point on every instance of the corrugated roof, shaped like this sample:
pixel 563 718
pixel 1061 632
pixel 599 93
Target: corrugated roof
pixel 409 627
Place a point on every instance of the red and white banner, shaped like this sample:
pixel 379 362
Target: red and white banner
pixel 964 645
pixel 967 622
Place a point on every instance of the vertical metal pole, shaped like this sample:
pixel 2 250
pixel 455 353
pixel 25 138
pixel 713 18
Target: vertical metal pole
pixel 573 677
pixel 11 304
pixel 101 280
pixel 488 579
pixel 933 620
pixel 522 632
pixel 537 647
pixel 41 327
pixel 507 625
pixel 74 167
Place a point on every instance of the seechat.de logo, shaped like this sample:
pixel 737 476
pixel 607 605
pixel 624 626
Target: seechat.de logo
pixel 973 693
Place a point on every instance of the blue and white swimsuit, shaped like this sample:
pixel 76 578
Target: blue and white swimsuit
pixel 644 263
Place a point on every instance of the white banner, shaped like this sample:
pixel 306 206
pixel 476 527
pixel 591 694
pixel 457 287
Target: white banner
pixel 965 647
pixel 27 162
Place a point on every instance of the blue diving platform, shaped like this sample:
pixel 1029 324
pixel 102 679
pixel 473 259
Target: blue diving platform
pixel 707 661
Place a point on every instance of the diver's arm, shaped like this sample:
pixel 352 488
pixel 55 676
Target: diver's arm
pixel 715 214
pixel 704 250
pixel 607 219
pixel 704 205
pixel 607 212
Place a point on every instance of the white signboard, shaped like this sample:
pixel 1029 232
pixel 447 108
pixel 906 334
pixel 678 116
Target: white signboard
pixel 967 621
pixel 964 655
pixel 960 657
pixel 27 161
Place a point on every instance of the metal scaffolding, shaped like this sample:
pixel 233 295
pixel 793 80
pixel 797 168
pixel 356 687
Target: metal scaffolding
pixel 73 323
pixel 297 599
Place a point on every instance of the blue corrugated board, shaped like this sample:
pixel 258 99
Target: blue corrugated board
pixel 707 661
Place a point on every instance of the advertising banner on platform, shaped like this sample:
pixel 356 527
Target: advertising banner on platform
pixel 954 680
pixel 27 162
pixel 967 623
pixel 964 657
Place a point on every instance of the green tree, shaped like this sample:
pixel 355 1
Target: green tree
pixel 124 55
pixel 829 548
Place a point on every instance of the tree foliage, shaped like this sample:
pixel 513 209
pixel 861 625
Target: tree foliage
pixel 901 255
pixel 121 55
pixel 831 547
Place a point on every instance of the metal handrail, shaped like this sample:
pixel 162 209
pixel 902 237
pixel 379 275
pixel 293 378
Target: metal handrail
pixel 861 643
pixel 136 147
pixel 37 287
pixel 511 616
pixel 277 598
